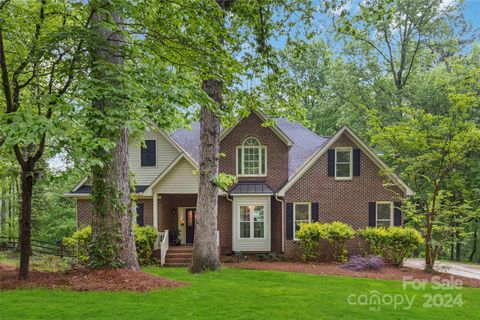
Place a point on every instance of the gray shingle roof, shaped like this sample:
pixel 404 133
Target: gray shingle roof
pixel 305 142
pixel 251 188
pixel 189 140
pixel 88 189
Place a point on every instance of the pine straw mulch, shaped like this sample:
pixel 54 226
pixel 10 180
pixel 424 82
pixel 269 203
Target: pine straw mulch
pixel 387 273
pixel 86 280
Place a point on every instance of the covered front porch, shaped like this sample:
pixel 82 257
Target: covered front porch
pixel 175 212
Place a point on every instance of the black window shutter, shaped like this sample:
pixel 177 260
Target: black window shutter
pixel 289 231
pixel 140 214
pixel 331 162
pixel 314 211
pixel 143 156
pixel 356 162
pixel 149 153
pixel 372 208
pixel 397 213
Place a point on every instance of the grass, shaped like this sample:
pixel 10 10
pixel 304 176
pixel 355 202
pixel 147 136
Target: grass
pixel 235 294
pixel 38 262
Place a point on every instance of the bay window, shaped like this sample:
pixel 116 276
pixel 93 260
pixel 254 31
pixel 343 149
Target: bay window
pixel 252 221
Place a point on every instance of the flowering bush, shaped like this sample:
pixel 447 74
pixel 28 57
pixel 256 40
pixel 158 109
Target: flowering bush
pixel 395 244
pixel 359 263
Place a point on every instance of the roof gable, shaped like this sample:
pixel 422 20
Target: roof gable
pixel 285 138
pixel 363 146
pixel 303 143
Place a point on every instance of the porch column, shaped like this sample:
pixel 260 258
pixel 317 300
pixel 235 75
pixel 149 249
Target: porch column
pixel 155 211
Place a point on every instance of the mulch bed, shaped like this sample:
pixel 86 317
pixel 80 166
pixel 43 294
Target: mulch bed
pixel 86 280
pixel 388 273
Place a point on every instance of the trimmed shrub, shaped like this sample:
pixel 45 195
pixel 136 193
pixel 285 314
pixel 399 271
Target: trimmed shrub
pixel 401 244
pixel 375 240
pixel 395 244
pixel 145 238
pixel 335 233
pixel 359 263
pixel 79 243
pixel 310 235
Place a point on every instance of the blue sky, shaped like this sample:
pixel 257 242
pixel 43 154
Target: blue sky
pixel 472 12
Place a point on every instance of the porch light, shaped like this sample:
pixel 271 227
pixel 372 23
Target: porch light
pixel 174 212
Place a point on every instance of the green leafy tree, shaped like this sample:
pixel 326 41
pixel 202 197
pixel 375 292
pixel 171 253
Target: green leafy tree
pixel 40 55
pixel 428 149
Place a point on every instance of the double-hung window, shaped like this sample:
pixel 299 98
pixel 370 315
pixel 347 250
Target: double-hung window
pixel 343 163
pixel 251 158
pixel 302 213
pixel 252 221
pixel 384 217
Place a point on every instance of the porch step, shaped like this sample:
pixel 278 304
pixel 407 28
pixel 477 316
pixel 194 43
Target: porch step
pixel 185 255
pixel 178 256
pixel 187 249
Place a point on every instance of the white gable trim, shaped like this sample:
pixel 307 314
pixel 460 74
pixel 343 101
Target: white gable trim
pixel 168 138
pixel 148 191
pixel 80 184
pixel 273 127
pixel 364 147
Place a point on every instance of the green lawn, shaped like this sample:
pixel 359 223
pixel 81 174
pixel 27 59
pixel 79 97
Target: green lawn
pixel 234 294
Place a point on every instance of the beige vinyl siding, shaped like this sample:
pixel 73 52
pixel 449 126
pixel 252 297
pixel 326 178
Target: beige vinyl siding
pixel 166 153
pixel 251 244
pixel 180 179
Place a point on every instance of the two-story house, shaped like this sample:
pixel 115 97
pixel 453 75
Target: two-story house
pixel 286 175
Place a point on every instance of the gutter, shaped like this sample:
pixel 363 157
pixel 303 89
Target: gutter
pixel 283 221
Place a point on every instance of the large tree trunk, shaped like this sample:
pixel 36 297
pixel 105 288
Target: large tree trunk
pixel 205 248
pixel 25 223
pixel 113 244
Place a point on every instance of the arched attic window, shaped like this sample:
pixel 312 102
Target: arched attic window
pixel 251 158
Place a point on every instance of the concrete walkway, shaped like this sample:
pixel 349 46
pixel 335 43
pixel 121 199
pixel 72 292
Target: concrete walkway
pixel 452 267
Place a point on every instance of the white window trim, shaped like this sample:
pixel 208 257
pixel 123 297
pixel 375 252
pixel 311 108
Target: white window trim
pixel 260 148
pixel 391 212
pixel 252 221
pixel 294 216
pixel 351 163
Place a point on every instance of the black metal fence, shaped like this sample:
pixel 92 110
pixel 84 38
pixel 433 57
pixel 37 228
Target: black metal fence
pixel 38 247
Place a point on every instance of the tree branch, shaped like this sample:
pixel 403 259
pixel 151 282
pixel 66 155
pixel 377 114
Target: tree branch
pixel 5 81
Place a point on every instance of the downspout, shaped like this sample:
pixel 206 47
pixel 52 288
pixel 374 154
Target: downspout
pixel 283 221
pixel 233 212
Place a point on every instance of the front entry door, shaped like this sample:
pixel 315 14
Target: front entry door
pixel 190 229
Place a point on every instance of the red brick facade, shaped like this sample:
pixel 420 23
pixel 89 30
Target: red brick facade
pixel 277 151
pixel 345 201
pixel 84 212
pixel 341 200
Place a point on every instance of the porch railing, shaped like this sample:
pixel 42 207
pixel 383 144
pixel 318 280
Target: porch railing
pixel 162 243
